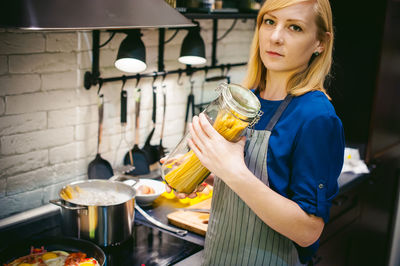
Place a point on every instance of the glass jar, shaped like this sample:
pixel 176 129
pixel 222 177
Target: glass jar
pixel 230 113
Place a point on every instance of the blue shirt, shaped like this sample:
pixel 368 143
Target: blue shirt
pixel 305 154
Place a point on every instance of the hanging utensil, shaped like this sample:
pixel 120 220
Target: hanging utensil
pixel 161 148
pixel 100 168
pixel 123 120
pixel 136 156
pixel 189 105
pixel 151 151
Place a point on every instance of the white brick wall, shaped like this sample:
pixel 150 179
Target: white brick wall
pixel 62 42
pixel 41 63
pixel 41 101
pixel 14 124
pixel 21 43
pixel 21 163
pixel 2 106
pixel 3 64
pixel 63 80
pixel 21 143
pixel 18 84
pixel 48 120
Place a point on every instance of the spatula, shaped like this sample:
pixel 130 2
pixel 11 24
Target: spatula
pixel 137 156
pixel 100 168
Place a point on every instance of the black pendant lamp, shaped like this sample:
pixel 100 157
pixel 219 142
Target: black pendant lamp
pixel 131 56
pixel 193 50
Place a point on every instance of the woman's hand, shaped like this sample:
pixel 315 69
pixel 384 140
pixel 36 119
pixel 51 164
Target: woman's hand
pixel 222 157
pixel 192 195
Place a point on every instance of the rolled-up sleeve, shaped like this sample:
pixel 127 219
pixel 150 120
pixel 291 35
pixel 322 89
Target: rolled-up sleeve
pixel 317 162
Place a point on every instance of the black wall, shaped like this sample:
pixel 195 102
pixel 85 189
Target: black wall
pixel 365 84
pixel 358 38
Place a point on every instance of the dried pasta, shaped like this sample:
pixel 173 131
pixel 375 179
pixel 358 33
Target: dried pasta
pixel 190 173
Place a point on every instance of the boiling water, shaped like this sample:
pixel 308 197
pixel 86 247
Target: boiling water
pixel 88 196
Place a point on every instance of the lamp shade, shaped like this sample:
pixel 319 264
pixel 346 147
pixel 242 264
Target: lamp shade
pixel 193 50
pixel 131 56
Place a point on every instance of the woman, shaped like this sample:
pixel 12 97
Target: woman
pixel 274 187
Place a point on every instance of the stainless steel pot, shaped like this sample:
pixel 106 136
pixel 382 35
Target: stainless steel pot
pixel 107 221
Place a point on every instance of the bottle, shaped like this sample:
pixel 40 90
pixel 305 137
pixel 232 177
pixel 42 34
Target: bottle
pixel 235 109
pixel 208 4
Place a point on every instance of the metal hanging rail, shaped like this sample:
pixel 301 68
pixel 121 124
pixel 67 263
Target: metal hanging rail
pixel 188 71
pixel 93 78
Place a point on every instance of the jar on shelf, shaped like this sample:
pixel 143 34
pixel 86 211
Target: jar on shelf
pixel 172 3
pixel 235 109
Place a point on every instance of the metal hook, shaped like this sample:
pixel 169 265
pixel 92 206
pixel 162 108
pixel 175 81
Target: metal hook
pixel 154 79
pixel 123 82
pixel 137 79
pixel 222 70
pixel 100 85
pixel 205 72
pixel 190 78
pixel 163 77
pixel 228 78
pixel 180 83
pixel 228 68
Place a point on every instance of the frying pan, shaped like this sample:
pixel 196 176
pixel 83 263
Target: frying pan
pixel 100 168
pixel 67 244
pixel 151 151
pixel 136 156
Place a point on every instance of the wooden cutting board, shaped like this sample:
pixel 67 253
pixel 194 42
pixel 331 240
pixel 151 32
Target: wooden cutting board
pixel 196 222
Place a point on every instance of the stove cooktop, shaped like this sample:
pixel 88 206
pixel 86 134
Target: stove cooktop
pixel 147 246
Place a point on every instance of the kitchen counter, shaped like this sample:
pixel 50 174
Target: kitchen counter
pixel 346 181
pixel 149 245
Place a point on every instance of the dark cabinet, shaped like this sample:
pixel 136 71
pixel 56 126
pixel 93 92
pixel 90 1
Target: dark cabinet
pixel 365 77
pixel 361 225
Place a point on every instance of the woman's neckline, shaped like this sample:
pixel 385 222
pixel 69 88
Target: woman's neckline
pixel 267 100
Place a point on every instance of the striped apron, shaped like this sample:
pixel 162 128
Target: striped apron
pixel 235 234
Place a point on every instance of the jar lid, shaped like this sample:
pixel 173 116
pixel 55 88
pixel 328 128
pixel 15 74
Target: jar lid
pixel 241 100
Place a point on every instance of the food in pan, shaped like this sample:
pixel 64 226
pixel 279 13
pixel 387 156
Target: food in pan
pixel 92 196
pixel 189 171
pixel 41 257
pixel 68 192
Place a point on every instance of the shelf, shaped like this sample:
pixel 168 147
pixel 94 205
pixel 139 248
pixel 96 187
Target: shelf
pixel 220 15
pixel 227 13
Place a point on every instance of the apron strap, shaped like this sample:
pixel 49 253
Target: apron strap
pixel 279 112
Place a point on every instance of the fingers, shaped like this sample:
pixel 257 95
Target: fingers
pixel 208 129
pixel 194 148
pixel 192 195
pixel 184 195
pixel 180 195
pixel 197 133
pixel 201 187
pixel 162 160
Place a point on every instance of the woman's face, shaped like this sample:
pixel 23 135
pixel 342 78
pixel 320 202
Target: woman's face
pixel 288 38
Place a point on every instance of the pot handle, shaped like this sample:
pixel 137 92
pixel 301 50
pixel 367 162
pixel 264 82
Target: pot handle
pixel 159 224
pixel 62 205
pixel 130 182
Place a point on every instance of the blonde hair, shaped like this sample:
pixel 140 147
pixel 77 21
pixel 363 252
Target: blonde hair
pixel 312 78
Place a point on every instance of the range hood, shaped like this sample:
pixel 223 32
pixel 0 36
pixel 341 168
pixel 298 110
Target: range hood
pixel 89 14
